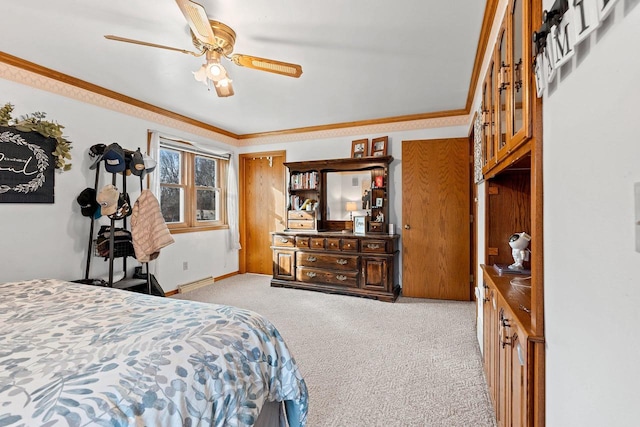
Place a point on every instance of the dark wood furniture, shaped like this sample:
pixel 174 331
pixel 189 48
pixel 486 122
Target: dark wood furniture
pixel 319 252
pixel 513 315
pixel 336 262
pixel 308 180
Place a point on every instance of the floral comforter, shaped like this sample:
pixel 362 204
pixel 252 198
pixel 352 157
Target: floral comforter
pixel 77 355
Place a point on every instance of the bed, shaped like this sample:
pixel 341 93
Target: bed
pixel 73 354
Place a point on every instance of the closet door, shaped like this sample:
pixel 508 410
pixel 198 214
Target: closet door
pixel 436 219
pixel 262 208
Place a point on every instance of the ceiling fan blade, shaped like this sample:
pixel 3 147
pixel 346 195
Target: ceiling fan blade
pixel 198 21
pixel 160 46
pixel 270 65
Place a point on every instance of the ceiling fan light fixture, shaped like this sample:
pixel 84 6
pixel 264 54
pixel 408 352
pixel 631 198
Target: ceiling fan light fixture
pixel 223 87
pixel 215 71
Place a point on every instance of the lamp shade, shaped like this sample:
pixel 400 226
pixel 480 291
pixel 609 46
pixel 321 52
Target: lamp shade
pixel 351 206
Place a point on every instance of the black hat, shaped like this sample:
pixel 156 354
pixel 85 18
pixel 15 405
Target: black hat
pixel 113 157
pixel 95 152
pixel 124 207
pixel 87 202
pixel 137 163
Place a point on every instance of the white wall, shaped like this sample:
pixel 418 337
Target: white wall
pixel 592 271
pixel 50 240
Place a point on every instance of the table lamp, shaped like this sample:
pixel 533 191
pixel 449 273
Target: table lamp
pixel 351 206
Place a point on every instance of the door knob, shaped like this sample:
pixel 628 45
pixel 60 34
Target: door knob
pixel 406 226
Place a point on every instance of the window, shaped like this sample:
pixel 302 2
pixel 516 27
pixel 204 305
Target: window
pixel 192 188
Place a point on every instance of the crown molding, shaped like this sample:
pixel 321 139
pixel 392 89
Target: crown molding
pixel 483 41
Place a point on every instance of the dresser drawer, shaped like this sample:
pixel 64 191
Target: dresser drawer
pixel 342 278
pixel 333 244
pixel 331 261
pixel 316 243
pixel 301 224
pixel 374 246
pixel 283 241
pixel 350 245
pixel 302 242
pixel 309 215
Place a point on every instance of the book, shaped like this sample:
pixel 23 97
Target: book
pixel 504 269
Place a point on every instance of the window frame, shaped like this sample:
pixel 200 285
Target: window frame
pixel 187 183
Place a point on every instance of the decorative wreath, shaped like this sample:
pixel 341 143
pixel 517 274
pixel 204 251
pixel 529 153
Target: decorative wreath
pixel 35 123
pixel 41 157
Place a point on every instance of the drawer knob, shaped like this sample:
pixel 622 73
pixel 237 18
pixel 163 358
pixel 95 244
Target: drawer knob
pixel 312 259
pixel 341 277
pixel 283 240
pixel 342 261
pixel 311 274
pixel 373 246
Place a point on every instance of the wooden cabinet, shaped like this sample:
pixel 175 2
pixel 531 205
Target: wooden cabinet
pixel 304 193
pixel 507 342
pixel 283 257
pixel 513 316
pixel 301 220
pixel 336 263
pixel 507 89
pixel 320 252
pixel 329 184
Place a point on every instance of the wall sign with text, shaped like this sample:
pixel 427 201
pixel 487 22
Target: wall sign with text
pixel 578 22
pixel 26 167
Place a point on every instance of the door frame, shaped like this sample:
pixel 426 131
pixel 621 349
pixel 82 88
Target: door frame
pixel 242 219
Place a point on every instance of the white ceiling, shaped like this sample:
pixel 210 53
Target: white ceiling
pixel 361 59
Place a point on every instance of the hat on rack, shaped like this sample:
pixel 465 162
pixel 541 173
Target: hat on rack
pixel 95 152
pixel 108 199
pixel 113 157
pixel 142 164
pixel 87 201
pixel 124 207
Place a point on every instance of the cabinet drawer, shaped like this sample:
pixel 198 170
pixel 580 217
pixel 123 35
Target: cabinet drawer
pixel 350 245
pixel 342 278
pixel 333 244
pixel 301 215
pixel 283 241
pixel 375 246
pixel 302 242
pixel 317 243
pixel 331 261
pixel 300 224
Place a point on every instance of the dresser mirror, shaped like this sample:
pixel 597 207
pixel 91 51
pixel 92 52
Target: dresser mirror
pixel 347 194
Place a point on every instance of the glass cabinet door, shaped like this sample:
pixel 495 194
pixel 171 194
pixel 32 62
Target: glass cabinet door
pixel 520 73
pixel 488 142
pixel 503 92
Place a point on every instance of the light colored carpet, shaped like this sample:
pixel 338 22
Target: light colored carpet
pixel 368 363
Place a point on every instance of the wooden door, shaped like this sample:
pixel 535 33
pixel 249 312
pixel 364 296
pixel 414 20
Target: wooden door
pixel 436 219
pixel 262 208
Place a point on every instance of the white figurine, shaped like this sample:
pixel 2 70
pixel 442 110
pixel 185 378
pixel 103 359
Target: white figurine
pixel 519 251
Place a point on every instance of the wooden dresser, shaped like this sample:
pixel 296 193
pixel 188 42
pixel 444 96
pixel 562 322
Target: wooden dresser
pixel 335 262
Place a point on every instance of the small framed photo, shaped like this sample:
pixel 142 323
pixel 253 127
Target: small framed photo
pixel 378 202
pixel 359 148
pixel 359 224
pixel 379 146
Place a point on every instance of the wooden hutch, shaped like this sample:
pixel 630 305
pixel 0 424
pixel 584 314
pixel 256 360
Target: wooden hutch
pixel 513 312
pixel 319 249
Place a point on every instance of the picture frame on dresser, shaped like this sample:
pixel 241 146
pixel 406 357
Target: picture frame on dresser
pixel 379 146
pixel 360 148
pixel 359 224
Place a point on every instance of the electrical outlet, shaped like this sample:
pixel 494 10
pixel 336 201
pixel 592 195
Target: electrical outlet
pixel 185 266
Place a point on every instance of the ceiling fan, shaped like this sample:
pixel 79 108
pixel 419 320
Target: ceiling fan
pixel 216 40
